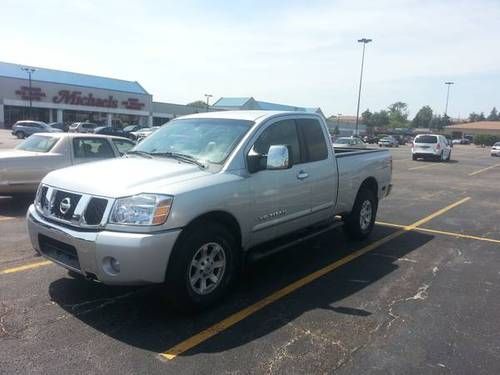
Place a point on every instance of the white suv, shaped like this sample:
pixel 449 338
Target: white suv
pixel 431 146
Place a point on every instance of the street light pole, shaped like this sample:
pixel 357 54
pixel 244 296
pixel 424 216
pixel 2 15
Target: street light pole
pixel 449 83
pixel 30 71
pixel 365 41
pixel 208 96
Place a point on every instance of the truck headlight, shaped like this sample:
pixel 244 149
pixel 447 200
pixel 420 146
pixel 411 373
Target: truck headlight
pixel 141 209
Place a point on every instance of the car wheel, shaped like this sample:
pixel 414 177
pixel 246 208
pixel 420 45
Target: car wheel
pixel 359 223
pixel 202 267
pixel 414 157
pixel 449 157
pixel 441 157
pixel 20 135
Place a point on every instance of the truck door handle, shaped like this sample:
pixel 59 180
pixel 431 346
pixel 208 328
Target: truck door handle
pixel 302 175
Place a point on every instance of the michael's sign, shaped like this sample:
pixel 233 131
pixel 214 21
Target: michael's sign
pixel 76 98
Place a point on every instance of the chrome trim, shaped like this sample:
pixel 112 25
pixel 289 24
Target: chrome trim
pixel 78 219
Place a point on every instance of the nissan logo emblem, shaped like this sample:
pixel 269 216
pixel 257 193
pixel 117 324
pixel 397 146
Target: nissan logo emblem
pixel 65 205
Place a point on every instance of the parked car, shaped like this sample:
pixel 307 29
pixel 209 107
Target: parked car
pixel 24 167
pixel 109 130
pixel 461 141
pixel 495 149
pixel 431 146
pixel 82 127
pixel 25 128
pixel 187 205
pixel 143 133
pixel 388 141
pixel 349 142
pixel 370 139
pixel 59 125
pixel 128 130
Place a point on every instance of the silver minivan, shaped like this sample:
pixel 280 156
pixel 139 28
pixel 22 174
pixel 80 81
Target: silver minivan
pixel 23 129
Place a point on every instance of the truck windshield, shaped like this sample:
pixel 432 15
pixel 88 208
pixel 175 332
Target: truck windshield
pixel 38 143
pixel 209 140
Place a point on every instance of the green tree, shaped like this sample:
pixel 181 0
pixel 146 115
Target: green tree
pixel 473 117
pixel 198 104
pixel 398 115
pixel 379 119
pixel 439 122
pixel 493 115
pixel 366 118
pixel 481 117
pixel 423 118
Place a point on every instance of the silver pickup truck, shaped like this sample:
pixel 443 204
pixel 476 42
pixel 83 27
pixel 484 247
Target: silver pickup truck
pixel 194 200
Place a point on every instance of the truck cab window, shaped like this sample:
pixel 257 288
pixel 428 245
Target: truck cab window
pixel 314 140
pixel 280 133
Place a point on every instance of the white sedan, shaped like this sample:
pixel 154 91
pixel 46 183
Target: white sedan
pixel 495 149
pixel 351 142
pixel 22 168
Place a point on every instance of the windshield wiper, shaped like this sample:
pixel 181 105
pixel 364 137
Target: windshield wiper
pixel 138 152
pixel 179 156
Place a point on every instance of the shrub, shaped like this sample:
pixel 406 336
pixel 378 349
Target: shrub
pixel 486 139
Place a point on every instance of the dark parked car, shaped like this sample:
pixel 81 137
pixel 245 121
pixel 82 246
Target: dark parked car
pixel 109 130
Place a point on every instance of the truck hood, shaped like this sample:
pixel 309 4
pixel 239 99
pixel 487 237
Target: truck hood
pixel 124 176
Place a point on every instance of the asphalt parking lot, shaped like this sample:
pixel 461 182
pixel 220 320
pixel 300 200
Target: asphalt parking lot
pixel 421 295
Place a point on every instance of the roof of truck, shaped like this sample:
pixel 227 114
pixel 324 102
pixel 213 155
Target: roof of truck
pixel 245 115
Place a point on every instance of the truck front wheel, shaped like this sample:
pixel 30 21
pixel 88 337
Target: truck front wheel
pixel 359 223
pixel 202 267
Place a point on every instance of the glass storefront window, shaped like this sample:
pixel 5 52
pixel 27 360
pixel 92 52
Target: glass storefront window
pixel 12 114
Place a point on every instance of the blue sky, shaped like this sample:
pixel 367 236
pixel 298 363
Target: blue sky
pixel 295 52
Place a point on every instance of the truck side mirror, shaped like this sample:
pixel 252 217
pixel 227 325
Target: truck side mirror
pixel 278 157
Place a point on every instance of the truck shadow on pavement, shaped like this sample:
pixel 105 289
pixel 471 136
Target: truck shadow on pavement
pixel 137 316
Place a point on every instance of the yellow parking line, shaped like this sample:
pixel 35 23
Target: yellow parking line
pixel 484 169
pixel 25 267
pixel 4 218
pixel 235 318
pixel 445 233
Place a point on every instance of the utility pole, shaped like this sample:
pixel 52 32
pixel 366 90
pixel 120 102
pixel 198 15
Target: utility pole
pixel 449 83
pixel 365 41
pixel 208 96
pixel 30 71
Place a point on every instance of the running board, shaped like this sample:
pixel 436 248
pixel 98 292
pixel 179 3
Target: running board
pixel 275 246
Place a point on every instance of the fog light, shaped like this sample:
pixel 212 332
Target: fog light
pixel 111 265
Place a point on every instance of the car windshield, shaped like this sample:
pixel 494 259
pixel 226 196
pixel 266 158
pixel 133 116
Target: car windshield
pixel 426 139
pixel 209 140
pixel 38 143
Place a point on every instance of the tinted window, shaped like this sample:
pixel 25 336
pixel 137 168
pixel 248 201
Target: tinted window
pixel 314 139
pixel 92 148
pixel 426 139
pixel 123 145
pixel 280 133
pixel 38 143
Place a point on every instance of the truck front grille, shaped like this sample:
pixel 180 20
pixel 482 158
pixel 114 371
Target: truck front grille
pixel 70 208
pixel 95 211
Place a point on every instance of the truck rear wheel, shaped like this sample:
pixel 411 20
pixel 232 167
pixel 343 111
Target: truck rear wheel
pixel 359 223
pixel 202 267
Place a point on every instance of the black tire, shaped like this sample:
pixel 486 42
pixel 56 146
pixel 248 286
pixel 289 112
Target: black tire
pixel 20 135
pixel 352 222
pixel 414 157
pixel 449 157
pixel 179 291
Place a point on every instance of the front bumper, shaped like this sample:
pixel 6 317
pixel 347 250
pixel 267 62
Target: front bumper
pixel 143 257
pixel 495 152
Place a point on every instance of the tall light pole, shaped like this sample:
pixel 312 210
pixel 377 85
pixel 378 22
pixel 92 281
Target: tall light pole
pixel 208 96
pixel 449 83
pixel 365 41
pixel 30 71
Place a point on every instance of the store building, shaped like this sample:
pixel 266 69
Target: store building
pixel 473 128
pixel 244 103
pixel 70 97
